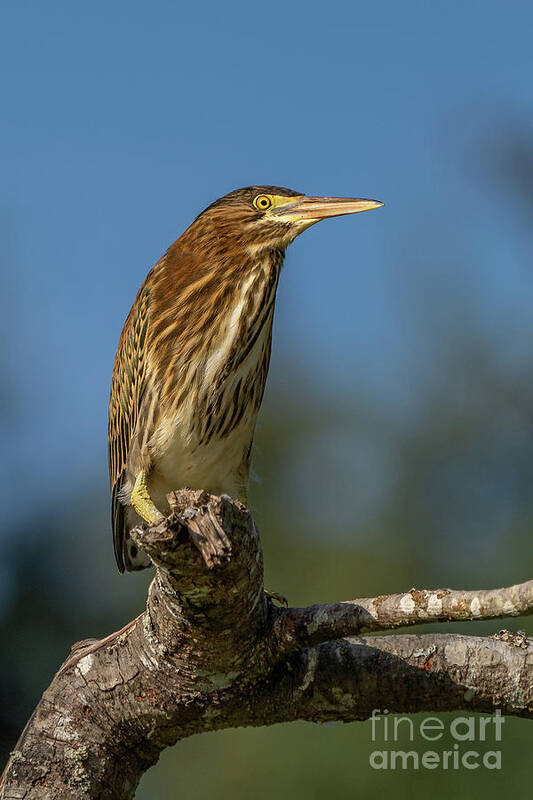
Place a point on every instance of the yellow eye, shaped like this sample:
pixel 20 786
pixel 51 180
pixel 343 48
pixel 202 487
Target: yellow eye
pixel 262 202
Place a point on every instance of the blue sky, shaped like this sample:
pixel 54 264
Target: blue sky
pixel 121 121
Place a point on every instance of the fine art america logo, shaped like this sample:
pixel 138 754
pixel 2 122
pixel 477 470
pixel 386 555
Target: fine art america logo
pixel 471 736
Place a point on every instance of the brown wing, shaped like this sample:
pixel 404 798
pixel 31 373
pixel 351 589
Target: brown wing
pixel 127 390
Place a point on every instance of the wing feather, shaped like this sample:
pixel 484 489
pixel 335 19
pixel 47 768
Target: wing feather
pixel 127 392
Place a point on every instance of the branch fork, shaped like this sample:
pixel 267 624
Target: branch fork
pixel 211 651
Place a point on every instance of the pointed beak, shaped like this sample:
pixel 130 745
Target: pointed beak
pixel 317 208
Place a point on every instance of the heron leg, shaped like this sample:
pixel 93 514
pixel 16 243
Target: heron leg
pixel 142 502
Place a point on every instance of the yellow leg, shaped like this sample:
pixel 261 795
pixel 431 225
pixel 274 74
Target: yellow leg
pixel 142 502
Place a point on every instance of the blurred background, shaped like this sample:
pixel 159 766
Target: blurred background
pixel 395 444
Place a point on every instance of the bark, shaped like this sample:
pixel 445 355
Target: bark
pixel 211 651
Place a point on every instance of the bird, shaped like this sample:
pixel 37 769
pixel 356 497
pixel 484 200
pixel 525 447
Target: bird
pixel 194 353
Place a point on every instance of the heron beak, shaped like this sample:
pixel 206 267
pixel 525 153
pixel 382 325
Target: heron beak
pixel 317 208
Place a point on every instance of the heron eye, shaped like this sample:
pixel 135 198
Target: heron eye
pixel 262 202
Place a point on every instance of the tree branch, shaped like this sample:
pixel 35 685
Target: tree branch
pixel 299 627
pixel 211 651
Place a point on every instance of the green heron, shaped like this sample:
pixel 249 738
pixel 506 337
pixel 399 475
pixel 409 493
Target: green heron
pixel 193 357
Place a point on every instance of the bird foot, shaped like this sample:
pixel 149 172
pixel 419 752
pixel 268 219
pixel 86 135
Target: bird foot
pixel 143 503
